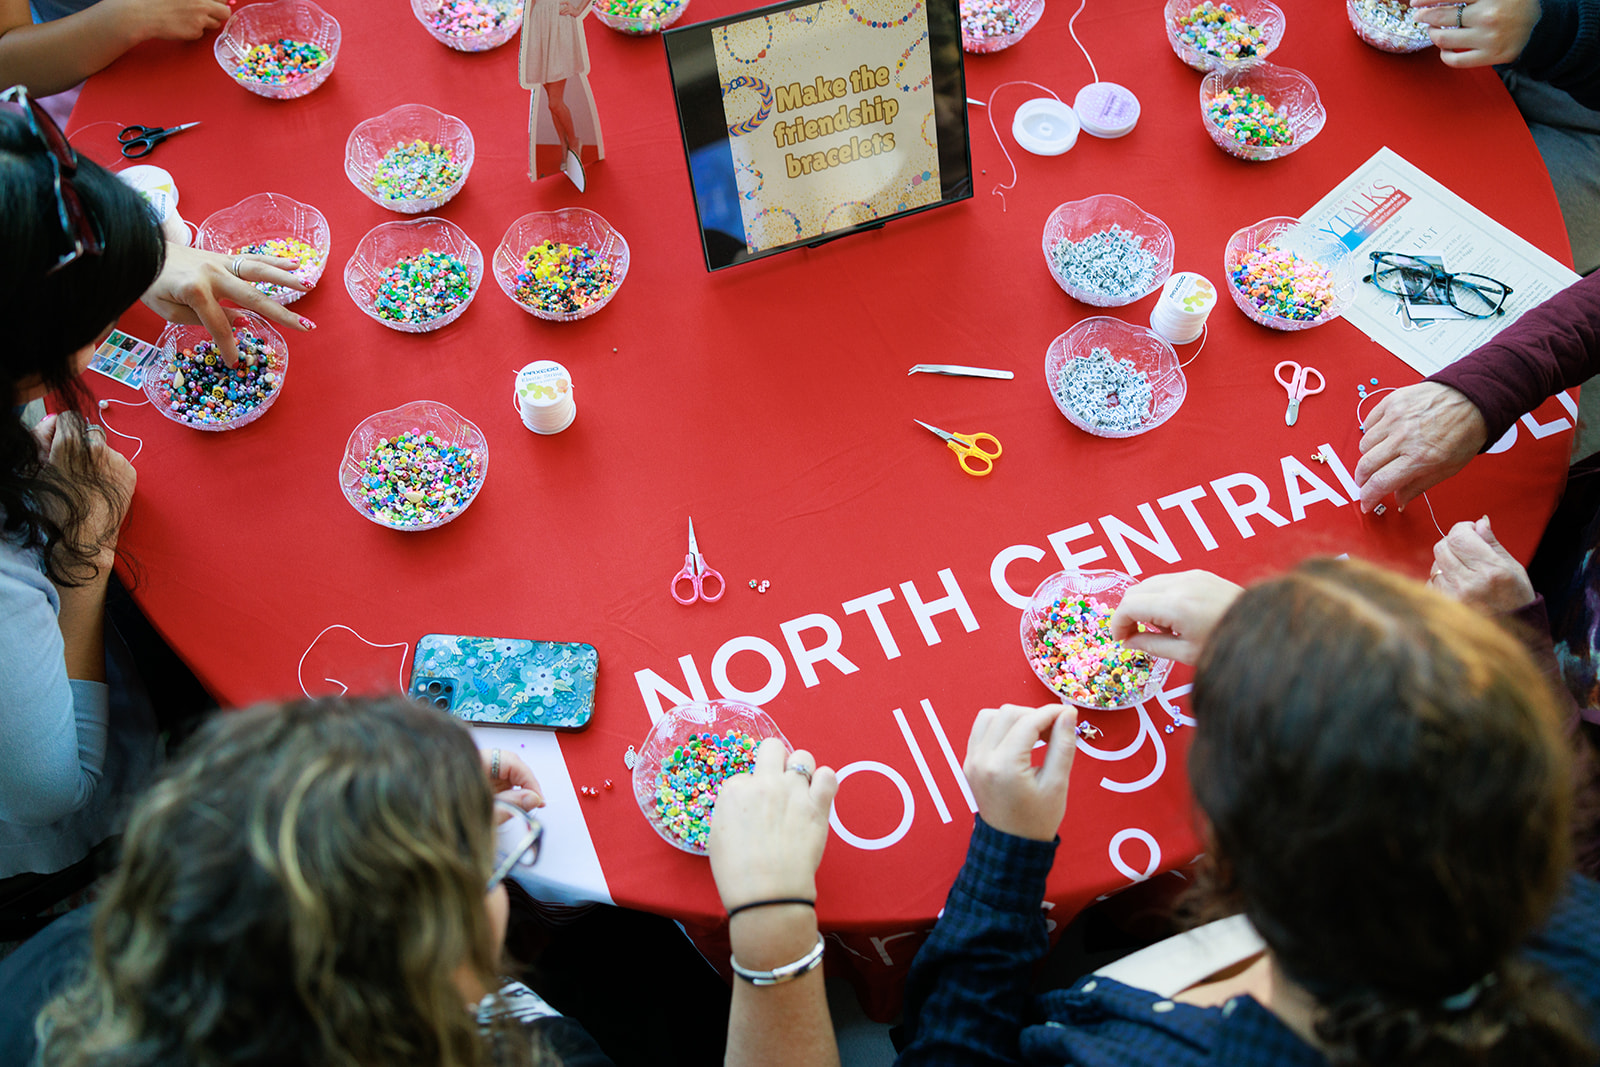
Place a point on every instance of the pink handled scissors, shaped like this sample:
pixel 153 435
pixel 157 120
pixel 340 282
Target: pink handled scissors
pixel 1296 386
pixel 696 572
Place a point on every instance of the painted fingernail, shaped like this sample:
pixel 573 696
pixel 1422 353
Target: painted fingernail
pixel 310 286
pixel 307 323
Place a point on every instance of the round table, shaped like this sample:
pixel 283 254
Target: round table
pixel 771 403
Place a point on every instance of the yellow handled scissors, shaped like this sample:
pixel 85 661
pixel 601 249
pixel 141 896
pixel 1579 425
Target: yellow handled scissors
pixel 968 450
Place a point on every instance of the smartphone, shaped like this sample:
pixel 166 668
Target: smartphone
pixel 507 681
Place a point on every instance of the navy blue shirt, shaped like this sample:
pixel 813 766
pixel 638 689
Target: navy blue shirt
pixel 968 999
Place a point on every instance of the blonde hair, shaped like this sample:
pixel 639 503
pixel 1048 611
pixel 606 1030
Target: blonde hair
pixel 300 887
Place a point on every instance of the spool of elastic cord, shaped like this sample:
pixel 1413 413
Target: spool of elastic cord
pixel 543 397
pixel 1180 312
pixel 1045 126
pixel 1106 109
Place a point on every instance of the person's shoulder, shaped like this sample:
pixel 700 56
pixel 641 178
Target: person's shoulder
pixel 1569 943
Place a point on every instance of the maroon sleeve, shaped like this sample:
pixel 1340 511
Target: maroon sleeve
pixel 1550 348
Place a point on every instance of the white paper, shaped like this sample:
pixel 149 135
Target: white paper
pixel 1388 205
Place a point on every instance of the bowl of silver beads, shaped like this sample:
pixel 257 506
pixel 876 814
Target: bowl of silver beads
pixel 469 25
pixel 994 25
pixel 1216 36
pixel 1387 25
pixel 409 159
pixel 1106 250
pixel 271 224
pixel 190 383
pixel 1113 379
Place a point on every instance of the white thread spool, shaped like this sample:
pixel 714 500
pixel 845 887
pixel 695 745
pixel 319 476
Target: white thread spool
pixel 543 397
pixel 1045 127
pixel 1180 312
pixel 1106 109
pixel 161 193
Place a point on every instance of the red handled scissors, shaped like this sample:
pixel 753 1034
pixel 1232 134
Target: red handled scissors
pixel 1296 386
pixel 696 572
pixel 968 449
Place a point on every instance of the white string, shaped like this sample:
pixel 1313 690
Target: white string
pixel 1205 328
pixel 105 405
pixel 1001 140
pixel 1081 5
pixel 343 689
pixel 1361 424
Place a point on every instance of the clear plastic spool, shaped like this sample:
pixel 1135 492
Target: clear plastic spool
pixel 1045 127
pixel 1106 109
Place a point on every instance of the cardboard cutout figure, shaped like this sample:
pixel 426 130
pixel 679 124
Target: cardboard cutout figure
pixel 563 124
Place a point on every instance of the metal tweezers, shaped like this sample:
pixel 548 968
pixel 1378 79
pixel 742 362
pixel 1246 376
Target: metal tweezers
pixel 958 371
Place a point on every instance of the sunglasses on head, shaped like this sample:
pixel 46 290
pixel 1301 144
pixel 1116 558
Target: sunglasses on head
pixel 76 225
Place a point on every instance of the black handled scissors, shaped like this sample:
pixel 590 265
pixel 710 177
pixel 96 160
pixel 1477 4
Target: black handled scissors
pixel 139 141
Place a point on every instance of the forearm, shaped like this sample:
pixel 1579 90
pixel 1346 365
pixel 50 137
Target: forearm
pixel 1550 348
pixel 54 56
pixel 82 620
pixel 784 1025
pixel 968 992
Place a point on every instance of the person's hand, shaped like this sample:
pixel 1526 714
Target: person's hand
pixel 1491 31
pixel 1178 611
pixel 769 828
pixel 1415 438
pixel 1013 795
pixel 1471 566
pixel 172 20
pixel 80 453
pixel 511 779
pixel 193 283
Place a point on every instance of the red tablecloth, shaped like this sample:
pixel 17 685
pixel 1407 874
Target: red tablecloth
pixel 772 404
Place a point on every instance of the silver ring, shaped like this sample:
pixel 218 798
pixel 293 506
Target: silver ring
pixel 1434 573
pixel 238 261
pixel 1459 9
pixel 801 769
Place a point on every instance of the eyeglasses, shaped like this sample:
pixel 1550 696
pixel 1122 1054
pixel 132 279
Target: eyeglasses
pixel 1476 296
pixel 517 839
pixel 76 225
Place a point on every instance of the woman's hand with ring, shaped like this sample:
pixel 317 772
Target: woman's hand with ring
pixel 769 827
pixel 193 283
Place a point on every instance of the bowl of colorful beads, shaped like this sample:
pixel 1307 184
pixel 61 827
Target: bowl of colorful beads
pixel 191 384
pixel 639 17
pixel 1066 637
pixel 281 49
pixel 994 25
pixel 1259 111
pixel 1114 379
pixel 1284 277
pixel 414 467
pixel 1107 251
pixel 409 159
pixel 414 276
pixel 1215 36
pixel 561 265
pixel 688 754
pixel 1387 25
pixel 271 224
pixel 469 25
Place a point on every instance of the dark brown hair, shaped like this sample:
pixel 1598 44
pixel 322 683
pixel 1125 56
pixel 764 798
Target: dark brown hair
pixel 1389 796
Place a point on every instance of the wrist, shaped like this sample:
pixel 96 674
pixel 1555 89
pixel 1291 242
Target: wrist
pixel 764 938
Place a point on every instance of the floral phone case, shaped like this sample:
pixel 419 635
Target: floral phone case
pixel 505 681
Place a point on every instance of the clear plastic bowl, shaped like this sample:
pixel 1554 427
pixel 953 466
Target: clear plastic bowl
pixel 296 20
pixel 387 244
pixel 1101 587
pixel 1283 88
pixel 570 225
pixel 1077 219
pixel 402 125
pixel 178 336
pixel 421 415
pixel 1028 11
pixel 1268 16
pixel 265 217
pixel 670 11
pixel 1151 355
pixel 510 10
pixel 1381 37
pixel 1345 269
pixel 678 726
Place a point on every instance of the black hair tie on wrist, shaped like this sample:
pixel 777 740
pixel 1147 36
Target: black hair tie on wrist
pixel 768 903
